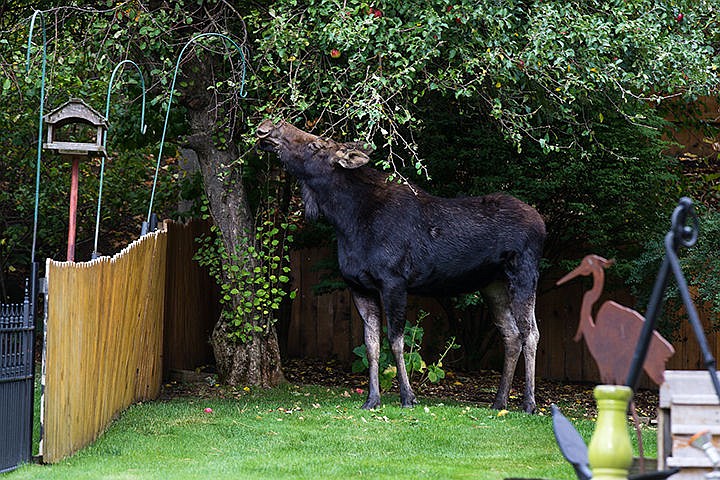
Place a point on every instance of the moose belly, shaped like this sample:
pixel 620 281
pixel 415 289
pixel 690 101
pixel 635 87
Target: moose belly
pixel 441 282
pixel 422 276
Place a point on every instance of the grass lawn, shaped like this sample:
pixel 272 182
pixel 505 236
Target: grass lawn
pixel 317 433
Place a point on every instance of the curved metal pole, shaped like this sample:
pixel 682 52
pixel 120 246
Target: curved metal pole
pixel 143 128
pixel 680 234
pixel 686 235
pixel 40 121
pixel 167 113
pixel 33 264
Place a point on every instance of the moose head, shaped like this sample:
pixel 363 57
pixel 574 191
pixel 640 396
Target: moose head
pixel 306 155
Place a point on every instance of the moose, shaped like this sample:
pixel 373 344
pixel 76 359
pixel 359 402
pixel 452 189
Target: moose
pixel 395 239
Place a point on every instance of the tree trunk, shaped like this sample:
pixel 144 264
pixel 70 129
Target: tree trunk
pixel 257 361
pixel 254 363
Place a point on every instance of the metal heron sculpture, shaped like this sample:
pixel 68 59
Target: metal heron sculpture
pixel 612 335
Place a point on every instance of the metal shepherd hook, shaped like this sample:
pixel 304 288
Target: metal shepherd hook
pixel 33 264
pixel 145 226
pixel 143 128
pixel 686 235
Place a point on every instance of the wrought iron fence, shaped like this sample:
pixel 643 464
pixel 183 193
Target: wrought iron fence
pixel 16 384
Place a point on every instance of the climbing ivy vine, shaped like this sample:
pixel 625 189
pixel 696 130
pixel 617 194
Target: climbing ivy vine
pixel 254 280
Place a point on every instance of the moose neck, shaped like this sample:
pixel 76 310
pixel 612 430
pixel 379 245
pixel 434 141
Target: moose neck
pixel 339 198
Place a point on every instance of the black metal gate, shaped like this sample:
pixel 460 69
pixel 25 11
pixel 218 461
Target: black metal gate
pixel 16 384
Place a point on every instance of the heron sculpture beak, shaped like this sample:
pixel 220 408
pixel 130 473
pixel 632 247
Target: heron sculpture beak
pixel 580 270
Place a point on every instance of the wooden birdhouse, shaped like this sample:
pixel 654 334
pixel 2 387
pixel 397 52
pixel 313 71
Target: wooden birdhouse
pixel 75 128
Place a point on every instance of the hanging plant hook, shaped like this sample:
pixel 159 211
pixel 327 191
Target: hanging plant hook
pixel 143 129
pixel 243 94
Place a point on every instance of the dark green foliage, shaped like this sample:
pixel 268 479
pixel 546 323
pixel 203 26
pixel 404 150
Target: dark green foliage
pixel 606 199
pixel 701 268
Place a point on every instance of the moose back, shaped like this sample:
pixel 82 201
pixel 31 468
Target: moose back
pixel 395 239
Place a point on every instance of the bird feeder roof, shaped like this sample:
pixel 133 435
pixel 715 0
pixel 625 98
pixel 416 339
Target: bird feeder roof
pixel 74 111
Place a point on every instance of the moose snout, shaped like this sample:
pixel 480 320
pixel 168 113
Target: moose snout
pixel 265 128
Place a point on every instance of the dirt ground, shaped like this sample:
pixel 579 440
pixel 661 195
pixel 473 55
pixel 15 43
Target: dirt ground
pixel 476 387
pixel 575 399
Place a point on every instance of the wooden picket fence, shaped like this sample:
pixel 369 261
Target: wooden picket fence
pixel 103 346
pixel 116 326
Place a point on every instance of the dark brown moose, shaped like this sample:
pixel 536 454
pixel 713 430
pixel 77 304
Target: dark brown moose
pixel 394 239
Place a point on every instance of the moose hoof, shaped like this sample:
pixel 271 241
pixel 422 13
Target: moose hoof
pixel 371 403
pixel 409 402
pixel 529 407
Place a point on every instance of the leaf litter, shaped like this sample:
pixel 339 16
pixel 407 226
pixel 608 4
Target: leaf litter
pixel 477 388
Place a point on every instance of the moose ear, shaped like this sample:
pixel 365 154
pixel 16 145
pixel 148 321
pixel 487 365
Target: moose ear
pixel 351 158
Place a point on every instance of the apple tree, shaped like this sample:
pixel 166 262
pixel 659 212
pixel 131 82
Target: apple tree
pixel 560 102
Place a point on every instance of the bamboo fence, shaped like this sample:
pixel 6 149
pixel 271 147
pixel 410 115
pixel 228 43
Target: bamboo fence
pixel 104 341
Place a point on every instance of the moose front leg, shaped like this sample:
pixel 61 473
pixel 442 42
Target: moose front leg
pixel 368 307
pixel 395 301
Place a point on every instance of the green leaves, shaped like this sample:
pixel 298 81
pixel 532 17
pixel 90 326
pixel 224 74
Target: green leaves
pixel 435 373
pixel 537 70
pixel 253 281
pixel 414 363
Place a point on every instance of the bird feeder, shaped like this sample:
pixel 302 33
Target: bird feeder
pixel 76 130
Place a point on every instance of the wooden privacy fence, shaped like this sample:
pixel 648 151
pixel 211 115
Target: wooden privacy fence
pixel 192 304
pixel 328 327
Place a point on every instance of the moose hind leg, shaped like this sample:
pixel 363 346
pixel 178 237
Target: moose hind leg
pixel 368 307
pixel 523 278
pixel 395 301
pixel 498 297
pixel 528 326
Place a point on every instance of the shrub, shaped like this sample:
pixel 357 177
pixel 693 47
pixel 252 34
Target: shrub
pixel 414 363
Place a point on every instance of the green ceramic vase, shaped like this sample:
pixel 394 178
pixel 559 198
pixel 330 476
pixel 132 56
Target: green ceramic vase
pixel 610 452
